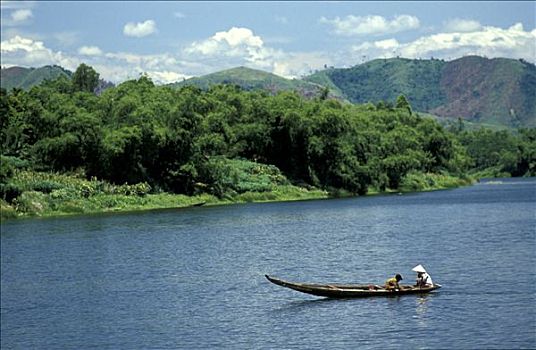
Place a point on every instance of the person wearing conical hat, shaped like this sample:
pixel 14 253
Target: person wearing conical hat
pixel 423 278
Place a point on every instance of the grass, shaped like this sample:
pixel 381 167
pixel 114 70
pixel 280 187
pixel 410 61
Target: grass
pixel 49 194
pixel 416 182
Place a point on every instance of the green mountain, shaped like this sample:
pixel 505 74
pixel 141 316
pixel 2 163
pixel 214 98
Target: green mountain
pixel 495 91
pixel 253 79
pixel 25 78
pixel 498 92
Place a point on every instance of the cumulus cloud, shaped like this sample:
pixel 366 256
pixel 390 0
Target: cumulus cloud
pixel 237 46
pixel 513 42
pixel 140 29
pixel 21 15
pixel 241 46
pixel 90 51
pixel 231 42
pixel 371 25
pixel 296 65
pixel 462 25
pixel 165 77
pixel 27 52
pixel 116 67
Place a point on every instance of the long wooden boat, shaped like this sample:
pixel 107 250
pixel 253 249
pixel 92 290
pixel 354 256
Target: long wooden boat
pixel 350 290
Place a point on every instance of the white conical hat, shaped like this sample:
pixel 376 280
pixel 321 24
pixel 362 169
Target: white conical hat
pixel 418 268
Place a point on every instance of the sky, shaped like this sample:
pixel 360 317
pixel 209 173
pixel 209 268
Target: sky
pixel 174 40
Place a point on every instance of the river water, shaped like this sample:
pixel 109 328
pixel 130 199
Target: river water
pixel 194 278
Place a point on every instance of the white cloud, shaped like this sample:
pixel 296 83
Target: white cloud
pixel 178 14
pixel 166 77
pixel 16 13
pixel 242 47
pixel 90 51
pixel 230 42
pixel 19 43
pixel 116 67
pixel 371 25
pixel 237 46
pixel 140 29
pixel 513 42
pixel 462 25
pixel 387 44
pixel 238 36
pixel 21 15
pixel 295 65
pixel 27 52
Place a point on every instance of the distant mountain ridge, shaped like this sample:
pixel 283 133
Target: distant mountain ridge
pixel 25 78
pixel 253 79
pixel 496 91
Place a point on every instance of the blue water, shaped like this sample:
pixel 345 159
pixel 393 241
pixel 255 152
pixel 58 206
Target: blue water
pixel 194 278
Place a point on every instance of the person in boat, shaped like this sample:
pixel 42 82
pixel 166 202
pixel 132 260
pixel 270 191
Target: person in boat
pixel 423 278
pixel 392 283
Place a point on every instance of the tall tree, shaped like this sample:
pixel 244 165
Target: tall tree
pixel 85 78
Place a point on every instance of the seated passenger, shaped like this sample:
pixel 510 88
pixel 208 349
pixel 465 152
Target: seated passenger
pixel 423 278
pixel 392 283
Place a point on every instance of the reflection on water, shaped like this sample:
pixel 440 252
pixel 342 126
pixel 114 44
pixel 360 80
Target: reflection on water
pixel 421 309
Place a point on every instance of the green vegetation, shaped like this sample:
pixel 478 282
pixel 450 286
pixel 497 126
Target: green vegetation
pixel 501 153
pixel 495 91
pixel 25 78
pixel 416 181
pixel 47 194
pixel 252 79
pixel 386 79
pixel 67 150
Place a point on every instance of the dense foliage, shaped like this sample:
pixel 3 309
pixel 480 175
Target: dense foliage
pixel 500 153
pixel 496 91
pixel 190 141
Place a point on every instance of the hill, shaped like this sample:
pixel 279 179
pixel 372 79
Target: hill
pixel 495 91
pixel 25 78
pixel 253 79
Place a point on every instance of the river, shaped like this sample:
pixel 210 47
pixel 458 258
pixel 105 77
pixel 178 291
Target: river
pixel 194 278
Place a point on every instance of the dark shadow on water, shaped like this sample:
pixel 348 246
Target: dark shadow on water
pixel 323 302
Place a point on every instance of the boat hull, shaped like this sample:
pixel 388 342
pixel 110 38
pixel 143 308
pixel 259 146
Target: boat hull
pixel 349 290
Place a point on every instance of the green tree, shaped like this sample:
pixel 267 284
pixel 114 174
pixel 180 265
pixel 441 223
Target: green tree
pixel 85 78
pixel 402 103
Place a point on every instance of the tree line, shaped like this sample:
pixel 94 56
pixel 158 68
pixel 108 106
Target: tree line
pixel 184 140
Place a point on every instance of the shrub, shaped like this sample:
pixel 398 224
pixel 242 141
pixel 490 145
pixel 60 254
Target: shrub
pixel 7 211
pixel 45 186
pixel 32 202
pixel 8 166
pixel 9 192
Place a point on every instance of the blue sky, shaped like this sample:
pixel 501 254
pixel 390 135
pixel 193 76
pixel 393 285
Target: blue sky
pixel 171 40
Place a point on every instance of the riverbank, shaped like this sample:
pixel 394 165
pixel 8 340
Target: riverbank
pixel 37 194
